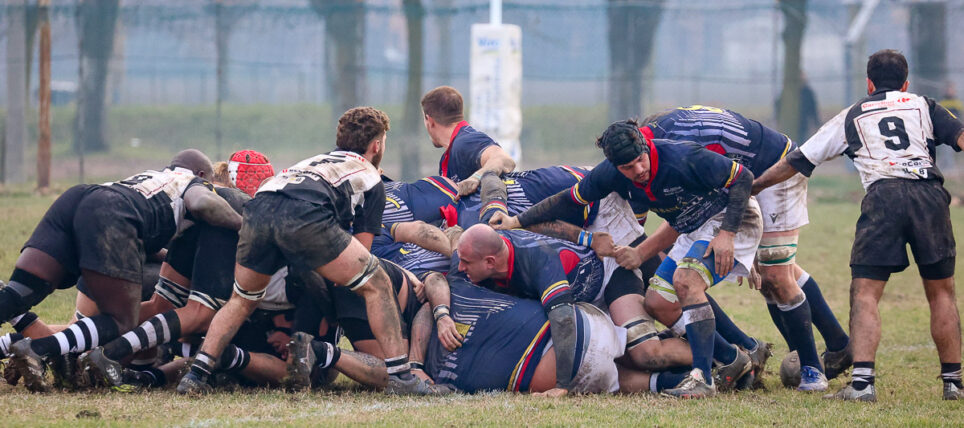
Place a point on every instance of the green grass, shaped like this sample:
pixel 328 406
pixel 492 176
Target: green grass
pixel 907 364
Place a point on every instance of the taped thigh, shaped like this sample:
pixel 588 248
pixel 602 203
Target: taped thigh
pixel 662 281
pixel 362 278
pixel 777 250
pixel 638 330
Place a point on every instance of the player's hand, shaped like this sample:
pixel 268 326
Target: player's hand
pixel 279 341
pixel 602 244
pixel 419 288
pixel 503 221
pixel 755 281
pixel 722 249
pixel 627 257
pixel 468 186
pixel 552 393
pixel 448 334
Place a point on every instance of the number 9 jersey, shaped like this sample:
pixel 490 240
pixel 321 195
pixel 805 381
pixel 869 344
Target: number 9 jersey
pixel 890 134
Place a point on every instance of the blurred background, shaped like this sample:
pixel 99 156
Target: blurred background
pixel 133 81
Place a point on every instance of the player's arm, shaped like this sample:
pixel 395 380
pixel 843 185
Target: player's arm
pixel 422 234
pixel 439 298
pixel 778 173
pixel 739 184
pixel 597 184
pixel 207 206
pixel 633 257
pixel 368 217
pixel 493 159
pixel 828 143
pixel 948 129
pixel 554 292
pixel 418 344
pixel 600 242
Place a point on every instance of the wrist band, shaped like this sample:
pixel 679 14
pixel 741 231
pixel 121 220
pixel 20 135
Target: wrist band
pixel 440 311
pixel 585 238
pixel 476 176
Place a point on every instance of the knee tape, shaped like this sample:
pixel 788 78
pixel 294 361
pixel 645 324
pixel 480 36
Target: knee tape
pixel 365 275
pixel 172 292
pixel 697 266
pixel 254 296
pixel 30 288
pixel 639 330
pixel 777 250
pixel 22 321
pixel 662 280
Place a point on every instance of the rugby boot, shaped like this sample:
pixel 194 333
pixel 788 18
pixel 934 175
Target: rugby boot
pixel 726 376
pixel 848 393
pixel 30 365
pixel 952 392
pixel 193 385
pixel 95 363
pixel 812 380
pixel 10 374
pixel 837 362
pixel 413 385
pixel 64 370
pixel 758 357
pixel 692 386
pixel 301 361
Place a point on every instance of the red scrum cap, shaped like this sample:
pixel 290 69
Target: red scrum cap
pixel 248 168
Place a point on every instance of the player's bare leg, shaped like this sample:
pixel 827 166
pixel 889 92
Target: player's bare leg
pixel 946 332
pixel 648 352
pixel 865 295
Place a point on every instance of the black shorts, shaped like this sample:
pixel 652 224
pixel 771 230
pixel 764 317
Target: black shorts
pixel 95 228
pixel 352 314
pixel 212 279
pixel 152 271
pixel 279 230
pixel 181 251
pixel 898 212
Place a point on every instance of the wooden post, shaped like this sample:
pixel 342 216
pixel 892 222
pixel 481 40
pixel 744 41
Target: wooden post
pixel 43 141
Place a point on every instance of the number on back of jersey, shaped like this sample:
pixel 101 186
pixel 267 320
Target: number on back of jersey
pixel 151 183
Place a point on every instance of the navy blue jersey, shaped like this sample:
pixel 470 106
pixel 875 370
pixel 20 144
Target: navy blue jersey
pixel 505 338
pixel 547 269
pixel 725 132
pixel 421 200
pixel 686 185
pixel 527 188
pixel 463 157
pixel 413 258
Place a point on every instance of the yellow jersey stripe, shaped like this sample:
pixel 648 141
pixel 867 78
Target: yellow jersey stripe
pixel 525 355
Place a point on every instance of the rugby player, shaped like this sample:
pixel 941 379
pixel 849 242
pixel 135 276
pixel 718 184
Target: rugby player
pixel 103 233
pixel 468 153
pixel 702 195
pixel 786 286
pixel 558 274
pixel 891 136
pixel 301 217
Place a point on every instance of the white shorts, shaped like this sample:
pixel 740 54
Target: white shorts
pixel 597 373
pixel 745 245
pixel 784 205
pixel 616 218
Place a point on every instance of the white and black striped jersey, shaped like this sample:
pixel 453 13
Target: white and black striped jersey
pixel 344 181
pixel 890 134
pixel 158 197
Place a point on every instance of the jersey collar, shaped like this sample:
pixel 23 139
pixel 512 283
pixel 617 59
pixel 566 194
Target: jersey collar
pixel 504 283
pixel 182 170
pixel 444 167
pixel 653 162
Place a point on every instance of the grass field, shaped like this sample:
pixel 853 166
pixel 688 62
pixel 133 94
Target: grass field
pixel 909 394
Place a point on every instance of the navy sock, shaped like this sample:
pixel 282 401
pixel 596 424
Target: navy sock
pixel 723 351
pixel 666 379
pixel 823 318
pixel 951 372
pixel 800 334
pixel 777 318
pixel 863 375
pixel 728 329
pixel 701 333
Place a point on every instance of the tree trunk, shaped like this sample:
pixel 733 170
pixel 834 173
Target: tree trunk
pixel 96 19
pixel 444 20
pixel 15 128
pixel 928 47
pixel 794 24
pixel 344 46
pixel 412 122
pixel 43 140
pixel 222 36
pixel 632 32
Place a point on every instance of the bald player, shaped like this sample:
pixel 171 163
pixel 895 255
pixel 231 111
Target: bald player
pixel 103 233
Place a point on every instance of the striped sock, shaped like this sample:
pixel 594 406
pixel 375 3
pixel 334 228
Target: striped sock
pixel 160 328
pixel 863 375
pixel 81 336
pixel 951 372
pixel 234 359
pixel 398 366
pixel 6 341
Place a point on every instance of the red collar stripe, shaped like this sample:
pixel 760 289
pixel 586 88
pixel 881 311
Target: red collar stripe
pixel 443 186
pixel 515 381
pixel 554 290
pixel 444 167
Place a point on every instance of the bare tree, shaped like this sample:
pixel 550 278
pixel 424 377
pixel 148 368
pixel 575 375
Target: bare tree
pixel 632 32
pixel 344 46
pixel 794 24
pixel 412 113
pixel 928 46
pixel 96 19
